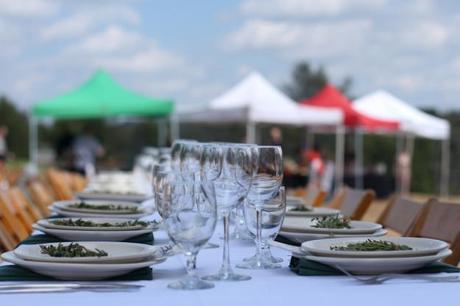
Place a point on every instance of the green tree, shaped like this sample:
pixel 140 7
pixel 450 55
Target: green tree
pixel 307 81
pixel 17 123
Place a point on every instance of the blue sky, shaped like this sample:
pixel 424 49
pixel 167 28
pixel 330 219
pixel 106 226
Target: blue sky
pixel 192 51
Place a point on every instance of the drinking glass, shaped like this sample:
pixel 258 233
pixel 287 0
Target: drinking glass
pixel 266 183
pixel 272 216
pixel 230 167
pixel 189 224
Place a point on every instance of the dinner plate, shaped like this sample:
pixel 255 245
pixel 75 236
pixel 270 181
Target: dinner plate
pixel 420 247
pixel 380 265
pixel 125 207
pixel 306 225
pixel 72 235
pixel 66 213
pixel 48 223
pixel 316 212
pixel 302 237
pixel 106 196
pixel 80 271
pixel 117 252
pixel 294 201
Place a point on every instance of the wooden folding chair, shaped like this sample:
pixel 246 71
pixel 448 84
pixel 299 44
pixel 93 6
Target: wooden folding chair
pixel 354 203
pixel 440 220
pixel 41 195
pixel 14 223
pixel 400 215
pixel 7 241
pixel 21 202
pixel 315 196
pixel 60 184
pixel 78 182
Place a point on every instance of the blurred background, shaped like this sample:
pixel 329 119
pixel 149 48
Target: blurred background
pixel 191 52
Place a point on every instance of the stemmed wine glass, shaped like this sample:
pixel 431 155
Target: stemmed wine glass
pixel 189 223
pixel 266 182
pixel 230 168
pixel 272 216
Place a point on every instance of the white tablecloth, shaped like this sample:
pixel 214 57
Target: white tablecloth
pixel 269 287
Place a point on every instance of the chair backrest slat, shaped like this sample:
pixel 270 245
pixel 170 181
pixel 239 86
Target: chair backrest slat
pixel 355 202
pixel 60 183
pixel 440 220
pixel 14 223
pixel 41 195
pixel 315 196
pixel 400 214
pixel 21 201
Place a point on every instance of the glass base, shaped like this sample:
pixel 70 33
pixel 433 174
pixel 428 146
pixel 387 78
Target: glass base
pixel 258 263
pixel 267 257
pixel 229 276
pixel 191 284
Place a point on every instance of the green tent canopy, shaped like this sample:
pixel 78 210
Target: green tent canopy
pixel 101 97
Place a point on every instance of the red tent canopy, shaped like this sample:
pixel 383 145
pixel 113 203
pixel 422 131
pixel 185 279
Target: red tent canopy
pixel 329 96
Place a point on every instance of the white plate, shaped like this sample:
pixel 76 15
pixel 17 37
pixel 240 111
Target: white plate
pixel 47 223
pixel 67 206
pixel 66 213
pixel 138 198
pixel 317 212
pixel 294 201
pixel 420 247
pixel 306 225
pixel 79 271
pixel 302 237
pixel 118 252
pixel 380 265
pixel 71 235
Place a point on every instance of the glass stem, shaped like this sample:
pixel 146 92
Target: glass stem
pixel 191 264
pixel 258 233
pixel 226 268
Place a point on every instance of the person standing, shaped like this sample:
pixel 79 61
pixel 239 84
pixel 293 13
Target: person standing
pixel 3 147
pixel 85 150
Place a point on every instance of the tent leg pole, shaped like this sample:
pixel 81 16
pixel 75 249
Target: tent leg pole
pixel 399 147
pixel 33 140
pixel 251 132
pixel 161 133
pixel 358 159
pixel 445 168
pixel 339 156
pixel 174 128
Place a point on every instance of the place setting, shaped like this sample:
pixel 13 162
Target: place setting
pixel 382 258
pixel 297 230
pixel 85 261
pixel 101 209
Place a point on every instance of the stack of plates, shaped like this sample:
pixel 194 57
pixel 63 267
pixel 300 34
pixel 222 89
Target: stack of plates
pixel 125 210
pixel 301 229
pixel 122 258
pixel 312 212
pixel 99 233
pixel 423 251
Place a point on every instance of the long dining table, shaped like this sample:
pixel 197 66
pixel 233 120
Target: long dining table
pixel 267 287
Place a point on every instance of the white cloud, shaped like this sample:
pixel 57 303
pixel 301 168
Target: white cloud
pixel 84 21
pixel 113 39
pixel 305 39
pixel 306 7
pixel 425 34
pixel 28 8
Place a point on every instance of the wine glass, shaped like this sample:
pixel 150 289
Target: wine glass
pixel 266 183
pixel 189 224
pixel 230 168
pixel 272 216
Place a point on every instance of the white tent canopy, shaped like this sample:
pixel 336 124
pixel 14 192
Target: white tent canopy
pixel 255 100
pixel 383 105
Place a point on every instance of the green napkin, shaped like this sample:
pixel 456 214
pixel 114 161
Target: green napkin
pixel 12 273
pixel 305 267
pixel 45 238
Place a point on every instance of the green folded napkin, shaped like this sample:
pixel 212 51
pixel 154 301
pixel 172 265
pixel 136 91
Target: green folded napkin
pixel 12 273
pixel 45 238
pixel 305 267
